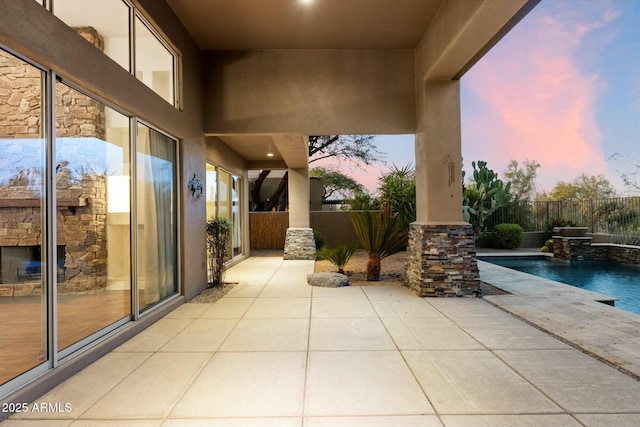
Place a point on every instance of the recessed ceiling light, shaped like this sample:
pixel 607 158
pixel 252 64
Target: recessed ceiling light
pixel 269 154
pixel 306 1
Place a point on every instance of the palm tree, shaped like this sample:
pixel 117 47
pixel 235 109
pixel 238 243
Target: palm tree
pixel 380 235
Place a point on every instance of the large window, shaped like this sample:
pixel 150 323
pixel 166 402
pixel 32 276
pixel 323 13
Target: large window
pixel 155 63
pixel 104 24
pixel 62 288
pixel 93 220
pixel 108 25
pixel 157 216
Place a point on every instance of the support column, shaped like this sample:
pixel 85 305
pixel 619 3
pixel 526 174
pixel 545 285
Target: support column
pixel 299 242
pixel 441 254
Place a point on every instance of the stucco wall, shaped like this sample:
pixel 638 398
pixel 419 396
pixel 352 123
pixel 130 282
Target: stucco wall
pixel 309 92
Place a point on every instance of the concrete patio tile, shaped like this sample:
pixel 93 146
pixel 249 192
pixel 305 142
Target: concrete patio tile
pixel 271 308
pixel 365 333
pixel 382 421
pixel 576 381
pixel 508 333
pixel 89 385
pixel 252 384
pixel 341 308
pixel 203 335
pixel 117 423
pixel 236 422
pixel 342 292
pixel 188 311
pixel 36 423
pixel 362 383
pixel 138 396
pixel 466 307
pixel 228 308
pixel 405 307
pixel 475 382
pixel 155 336
pixel 271 335
pixel 388 292
pixel 527 420
pixel 428 334
pixel 609 420
pixel 245 290
pixel 299 290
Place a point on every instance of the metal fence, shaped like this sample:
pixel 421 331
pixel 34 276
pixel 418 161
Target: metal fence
pixel 598 215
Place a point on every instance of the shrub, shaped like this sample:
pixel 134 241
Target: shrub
pixel 548 246
pixel 507 236
pixel 318 238
pixel 218 237
pixel 338 256
pixel 380 235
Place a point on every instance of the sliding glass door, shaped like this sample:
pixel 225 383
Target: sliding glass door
pixel 157 216
pixel 224 199
pixel 93 216
pixel 23 292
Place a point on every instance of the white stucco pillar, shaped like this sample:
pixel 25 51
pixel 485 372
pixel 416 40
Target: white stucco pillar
pixel 441 254
pixel 299 197
pixel 299 242
pixel 439 154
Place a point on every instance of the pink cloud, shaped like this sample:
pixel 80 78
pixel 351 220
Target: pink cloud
pixel 532 100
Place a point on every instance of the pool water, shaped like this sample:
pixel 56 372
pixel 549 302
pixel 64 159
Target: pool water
pixel 616 280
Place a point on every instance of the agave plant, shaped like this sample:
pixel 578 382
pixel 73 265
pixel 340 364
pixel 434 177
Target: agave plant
pixel 338 256
pixel 380 235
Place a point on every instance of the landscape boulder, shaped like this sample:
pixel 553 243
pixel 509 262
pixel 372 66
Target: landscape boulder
pixel 328 280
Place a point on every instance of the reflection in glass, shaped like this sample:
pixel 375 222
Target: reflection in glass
pixel 236 212
pixel 23 344
pixel 104 24
pixel 93 220
pixel 154 63
pixel 212 188
pixel 157 216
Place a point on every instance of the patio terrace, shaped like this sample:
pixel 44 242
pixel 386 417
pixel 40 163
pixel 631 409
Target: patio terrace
pixel 277 352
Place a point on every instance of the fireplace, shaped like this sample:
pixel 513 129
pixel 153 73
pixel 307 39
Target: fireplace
pixel 23 264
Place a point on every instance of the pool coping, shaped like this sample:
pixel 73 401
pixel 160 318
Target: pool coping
pixel 575 316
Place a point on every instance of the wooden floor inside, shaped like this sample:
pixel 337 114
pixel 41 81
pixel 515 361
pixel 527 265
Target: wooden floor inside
pixel 23 327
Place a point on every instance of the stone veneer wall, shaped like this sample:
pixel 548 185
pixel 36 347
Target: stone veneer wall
pixel 299 244
pixel 582 249
pixel 441 261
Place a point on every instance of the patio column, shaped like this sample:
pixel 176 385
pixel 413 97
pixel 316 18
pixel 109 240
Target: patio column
pixel 441 254
pixel 299 242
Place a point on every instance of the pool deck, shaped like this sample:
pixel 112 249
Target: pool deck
pixel 276 352
pixel 572 314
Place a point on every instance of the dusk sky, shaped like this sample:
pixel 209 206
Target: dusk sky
pixel 562 88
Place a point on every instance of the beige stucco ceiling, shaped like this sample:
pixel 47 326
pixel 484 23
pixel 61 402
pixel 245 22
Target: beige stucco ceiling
pixel 290 24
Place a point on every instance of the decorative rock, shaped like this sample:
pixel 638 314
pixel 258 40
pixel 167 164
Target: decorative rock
pixel 328 280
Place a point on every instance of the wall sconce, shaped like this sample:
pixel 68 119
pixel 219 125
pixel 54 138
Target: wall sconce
pixel 195 185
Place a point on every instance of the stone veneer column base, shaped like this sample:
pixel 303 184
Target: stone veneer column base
pixel 299 244
pixel 441 261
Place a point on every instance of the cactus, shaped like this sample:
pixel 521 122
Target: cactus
pixel 492 194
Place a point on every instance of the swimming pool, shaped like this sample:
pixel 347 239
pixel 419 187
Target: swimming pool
pixel 616 280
